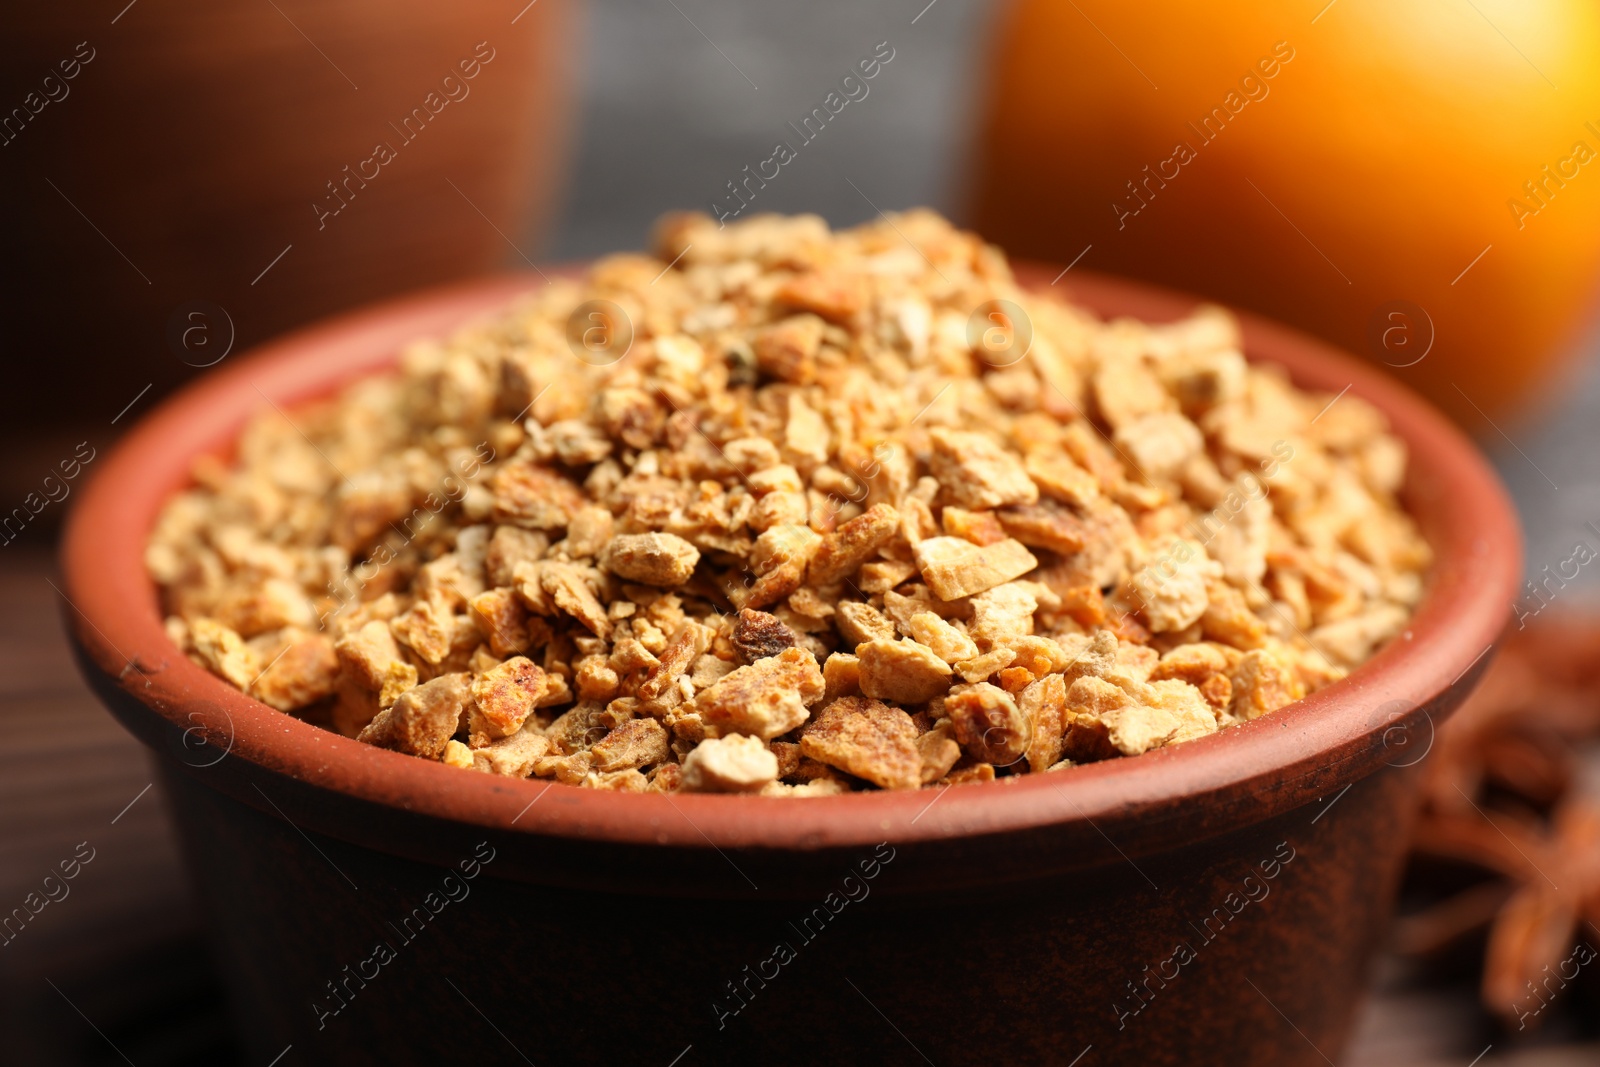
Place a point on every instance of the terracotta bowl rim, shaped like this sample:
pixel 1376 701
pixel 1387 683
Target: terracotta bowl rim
pixel 1280 761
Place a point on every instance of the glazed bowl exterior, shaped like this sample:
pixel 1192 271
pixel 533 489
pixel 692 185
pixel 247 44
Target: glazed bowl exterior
pixel 1215 902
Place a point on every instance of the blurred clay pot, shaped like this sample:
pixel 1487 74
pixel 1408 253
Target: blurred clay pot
pixel 188 162
pixel 1211 903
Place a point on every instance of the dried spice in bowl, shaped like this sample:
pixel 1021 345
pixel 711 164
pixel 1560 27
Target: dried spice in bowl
pixel 795 512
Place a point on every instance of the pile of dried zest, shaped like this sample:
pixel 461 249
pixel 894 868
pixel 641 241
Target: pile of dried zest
pixel 822 526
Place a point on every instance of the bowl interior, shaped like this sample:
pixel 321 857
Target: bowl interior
pixel 1201 787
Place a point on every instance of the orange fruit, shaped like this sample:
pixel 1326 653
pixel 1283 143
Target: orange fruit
pixel 1419 183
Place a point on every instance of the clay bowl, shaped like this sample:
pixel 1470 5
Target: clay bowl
pixel 1216 902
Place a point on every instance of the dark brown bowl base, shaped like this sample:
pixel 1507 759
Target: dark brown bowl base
pixel 1087 962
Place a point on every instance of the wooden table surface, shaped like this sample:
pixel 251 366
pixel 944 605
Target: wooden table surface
pixel 118 970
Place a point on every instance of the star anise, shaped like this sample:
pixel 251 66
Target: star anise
pixel 1503 795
